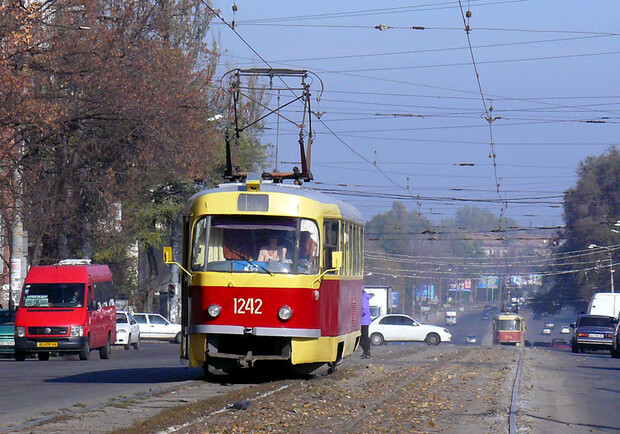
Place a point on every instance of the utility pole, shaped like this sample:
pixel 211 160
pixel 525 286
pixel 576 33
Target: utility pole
pixel 18 259
pixel 610 256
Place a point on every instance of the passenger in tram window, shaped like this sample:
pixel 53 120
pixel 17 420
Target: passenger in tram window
pixel 272 252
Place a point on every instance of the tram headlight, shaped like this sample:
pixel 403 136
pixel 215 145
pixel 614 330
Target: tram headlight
pixel 214 310
pixel 285 313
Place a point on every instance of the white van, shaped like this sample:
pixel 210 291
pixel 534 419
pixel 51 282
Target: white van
pixel 605 303
pixel 450 317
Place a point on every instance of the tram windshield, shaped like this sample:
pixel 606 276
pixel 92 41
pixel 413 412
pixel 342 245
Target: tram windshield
pixel 256 244
pixel 509 325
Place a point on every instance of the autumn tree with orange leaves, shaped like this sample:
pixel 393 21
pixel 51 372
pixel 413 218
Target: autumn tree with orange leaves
pixel 104 102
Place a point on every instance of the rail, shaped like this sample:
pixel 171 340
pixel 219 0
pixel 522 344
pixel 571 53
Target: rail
pixel 512 429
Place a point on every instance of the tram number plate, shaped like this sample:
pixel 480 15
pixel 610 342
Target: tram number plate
pixel 47 344
pixel 248 305
pixel 596 335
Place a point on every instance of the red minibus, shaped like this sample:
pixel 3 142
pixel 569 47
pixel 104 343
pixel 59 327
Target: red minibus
pixel 66 308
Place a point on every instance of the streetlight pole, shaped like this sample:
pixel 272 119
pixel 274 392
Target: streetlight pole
pixel 611 269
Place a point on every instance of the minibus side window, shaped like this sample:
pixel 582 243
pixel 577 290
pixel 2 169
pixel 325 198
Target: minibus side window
pixel 90 297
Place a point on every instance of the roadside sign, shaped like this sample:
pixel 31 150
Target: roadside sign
pixel 394 300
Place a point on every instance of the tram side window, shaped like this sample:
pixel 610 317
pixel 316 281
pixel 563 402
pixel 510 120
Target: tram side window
pixel 330 244
pixel 345 246
pixel 356 249
pixel 308 247
pixel 199 247
pixel 351 245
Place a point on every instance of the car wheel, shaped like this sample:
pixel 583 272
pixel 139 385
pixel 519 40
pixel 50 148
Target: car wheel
pixel 377 339
pixel 20 356
pixel 433 339
pixel 615 354
pixel 136 345
pixel 177 338
pixel 85 353
pixel 104 352
pixel 128 345
pixel 575 348
pixel 43 356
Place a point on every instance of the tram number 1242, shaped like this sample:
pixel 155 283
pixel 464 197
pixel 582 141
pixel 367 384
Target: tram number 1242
pixel 241 306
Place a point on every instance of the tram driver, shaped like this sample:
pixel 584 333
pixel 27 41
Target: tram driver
pixel 272 252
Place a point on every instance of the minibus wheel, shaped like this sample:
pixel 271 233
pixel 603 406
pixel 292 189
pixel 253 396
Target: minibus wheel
pixel 85 353
pixel 104 352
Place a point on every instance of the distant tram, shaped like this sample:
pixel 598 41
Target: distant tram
pixel 246 302
pixel 508 329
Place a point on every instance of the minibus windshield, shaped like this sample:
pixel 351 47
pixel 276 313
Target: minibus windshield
pixel 53 295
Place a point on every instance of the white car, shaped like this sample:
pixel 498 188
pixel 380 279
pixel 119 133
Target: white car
pixel 546 331
pixel 155 326
pixel 398 328
pixel 565 330
pixel 127 330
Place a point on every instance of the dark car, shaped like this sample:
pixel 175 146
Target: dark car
pixel 615 351
pixel 593 332
pixel 560 344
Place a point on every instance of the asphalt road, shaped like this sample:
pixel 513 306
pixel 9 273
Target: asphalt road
pixel 470 324
pixel 34 389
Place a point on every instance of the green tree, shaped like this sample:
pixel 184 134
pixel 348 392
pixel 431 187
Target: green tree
pixel 591 208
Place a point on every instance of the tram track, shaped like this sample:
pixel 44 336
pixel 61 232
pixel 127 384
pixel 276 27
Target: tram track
pixel 512 419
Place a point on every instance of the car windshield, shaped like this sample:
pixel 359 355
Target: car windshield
pixel 255 244
pixel 53 295
pixel 7 317
pixel 121 318
pixel 593 321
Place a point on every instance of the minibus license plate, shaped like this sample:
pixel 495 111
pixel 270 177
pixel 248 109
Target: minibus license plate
pixel 6 343
pixel 47 344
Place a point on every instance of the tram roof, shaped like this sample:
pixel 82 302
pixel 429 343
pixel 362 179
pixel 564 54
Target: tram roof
pixel 347 211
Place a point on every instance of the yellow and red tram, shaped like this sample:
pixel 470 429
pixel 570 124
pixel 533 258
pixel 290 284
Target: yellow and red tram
pixel 509 329
pixel 240 306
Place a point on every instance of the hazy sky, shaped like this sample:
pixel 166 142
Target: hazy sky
pixel 408 99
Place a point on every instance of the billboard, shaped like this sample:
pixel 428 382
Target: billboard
pixel 425 292
pixel 489 282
